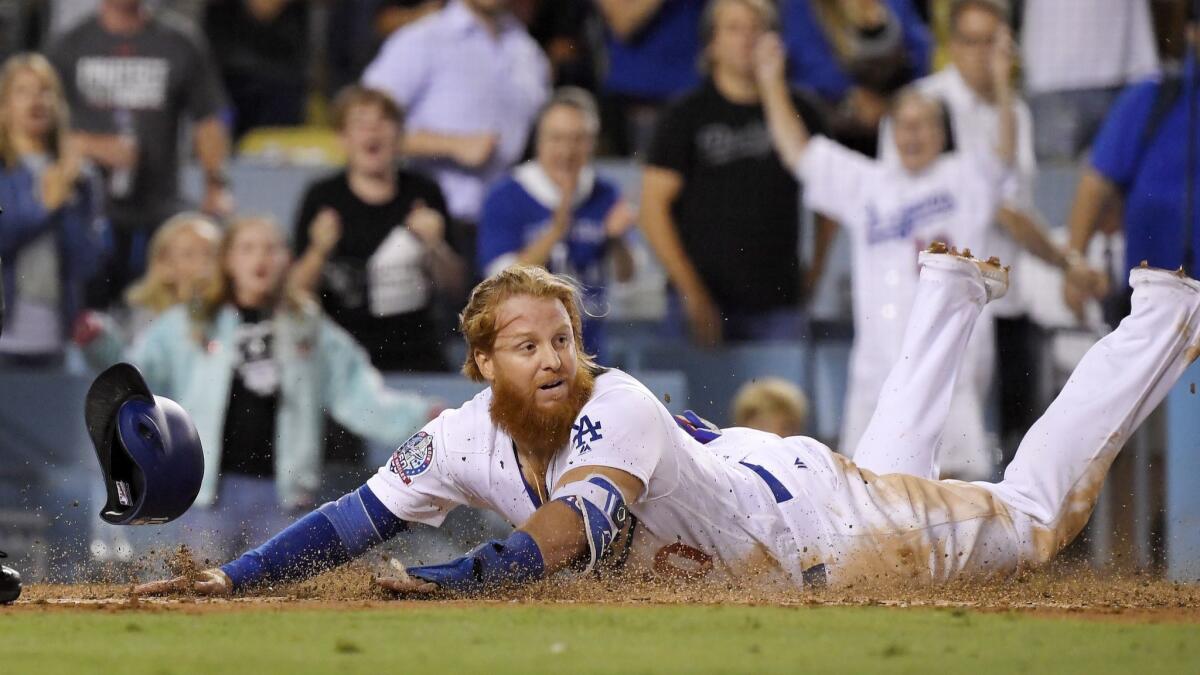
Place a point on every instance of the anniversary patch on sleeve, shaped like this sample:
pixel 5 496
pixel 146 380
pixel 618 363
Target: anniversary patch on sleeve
pixel 413 458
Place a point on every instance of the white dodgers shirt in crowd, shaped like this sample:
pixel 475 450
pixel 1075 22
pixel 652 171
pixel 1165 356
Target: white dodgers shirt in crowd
pixel 890 215
pixel 976 125
pixel 703 508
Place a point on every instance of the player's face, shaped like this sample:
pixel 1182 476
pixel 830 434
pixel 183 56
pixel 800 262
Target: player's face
pixel 370 139
pixel 736 29
pixel 565 143
pixel 918 131
pixel 30 105
pixel 971 45
pixel 256 262
pixel 534 352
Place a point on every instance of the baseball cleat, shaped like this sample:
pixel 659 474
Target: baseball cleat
pixel 993 275
pixel 1144 273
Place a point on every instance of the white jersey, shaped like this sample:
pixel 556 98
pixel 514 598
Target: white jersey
pixel 702 506
pixel 890 216
pixel 976 124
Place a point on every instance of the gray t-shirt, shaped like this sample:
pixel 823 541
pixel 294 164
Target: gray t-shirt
pixel 153 79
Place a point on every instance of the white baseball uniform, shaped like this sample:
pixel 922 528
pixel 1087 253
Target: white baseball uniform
pixel 752 502
pixel 890 215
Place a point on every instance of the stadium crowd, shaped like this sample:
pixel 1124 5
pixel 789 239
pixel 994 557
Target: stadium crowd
pixel 470 131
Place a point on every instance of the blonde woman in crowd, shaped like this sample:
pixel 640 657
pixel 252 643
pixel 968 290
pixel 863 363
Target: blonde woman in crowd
pixel 52 232
pixel 182 261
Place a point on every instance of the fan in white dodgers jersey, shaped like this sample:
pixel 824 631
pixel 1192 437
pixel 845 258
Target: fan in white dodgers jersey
pixel 597 472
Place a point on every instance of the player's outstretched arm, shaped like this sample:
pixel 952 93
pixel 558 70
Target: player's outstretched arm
pixel 584 520
pixel 789 134
pixel 332 535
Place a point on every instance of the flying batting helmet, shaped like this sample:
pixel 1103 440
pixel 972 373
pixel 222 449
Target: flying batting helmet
pixel 148 449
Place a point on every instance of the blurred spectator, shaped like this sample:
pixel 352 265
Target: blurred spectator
pixel 893 209
pixel 771 404
pixel 255 363
pixel 66 14
pixel 356 28
pixel 22 25
pixel 182 261
pixel 568 31
pixel 262 48
pixel 651 51
pixel 471 81
pixel 371 241
pixel 1144 165
pixel 556 212
pixel 718 208
pixel 967 87
pixel 855 54
pixel 1077 55
pixel 130 77
pixel 52 229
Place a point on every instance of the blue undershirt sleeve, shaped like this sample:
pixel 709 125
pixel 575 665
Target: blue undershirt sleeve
pixel 332 535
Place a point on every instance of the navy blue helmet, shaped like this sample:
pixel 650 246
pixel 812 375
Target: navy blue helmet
pixel 148 449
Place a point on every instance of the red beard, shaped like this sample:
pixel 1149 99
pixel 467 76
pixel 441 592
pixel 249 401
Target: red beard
pixel 536 431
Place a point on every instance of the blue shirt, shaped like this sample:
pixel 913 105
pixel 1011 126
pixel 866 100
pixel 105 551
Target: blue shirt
pixel 1151 176
pixel 812 62
pixel 519 208
pixel 660 61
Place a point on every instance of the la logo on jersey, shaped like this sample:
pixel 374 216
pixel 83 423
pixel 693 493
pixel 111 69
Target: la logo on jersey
pixel 413 458
pixel 585 427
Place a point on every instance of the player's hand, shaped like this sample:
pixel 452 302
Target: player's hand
pixel 406 585
pixel 770 59
pixel 325 231
pixel 704 319
pixel 211 582
pixel 428 225
pixel 473 151
pixel 403 583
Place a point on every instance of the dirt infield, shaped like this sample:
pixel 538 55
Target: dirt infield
pixel 1069 592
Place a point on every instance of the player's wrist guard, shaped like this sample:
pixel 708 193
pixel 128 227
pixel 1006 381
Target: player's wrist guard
pixel 492 565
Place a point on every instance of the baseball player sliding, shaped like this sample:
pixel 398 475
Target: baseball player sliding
pixel 600 476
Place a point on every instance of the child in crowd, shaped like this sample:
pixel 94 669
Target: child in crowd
pixel 255 362
pixel 771 404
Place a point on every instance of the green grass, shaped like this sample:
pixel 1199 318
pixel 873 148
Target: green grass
pixel 497 639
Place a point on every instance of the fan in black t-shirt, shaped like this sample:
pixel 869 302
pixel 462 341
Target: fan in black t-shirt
pixel 719 208
pixel 249 435
pixel 371 242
